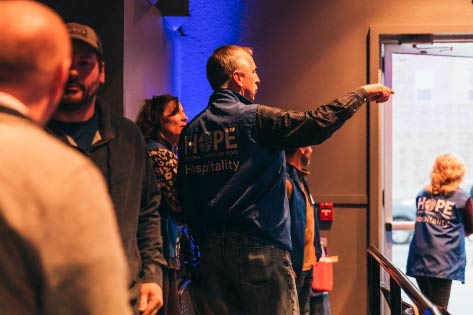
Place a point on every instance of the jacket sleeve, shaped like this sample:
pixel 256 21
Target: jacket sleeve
pixel 278 129
pixel 467 217
pixel 150 240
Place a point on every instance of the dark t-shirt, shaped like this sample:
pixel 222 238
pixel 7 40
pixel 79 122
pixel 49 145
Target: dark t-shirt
pixel 82 132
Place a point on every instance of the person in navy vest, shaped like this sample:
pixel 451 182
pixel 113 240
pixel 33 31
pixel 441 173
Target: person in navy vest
pixel 161 120
pixel 305 232
pixel 231 185
pixel 444 218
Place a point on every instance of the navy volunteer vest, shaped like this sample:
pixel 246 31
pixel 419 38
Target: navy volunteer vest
pixel 226 180
pixel 438 246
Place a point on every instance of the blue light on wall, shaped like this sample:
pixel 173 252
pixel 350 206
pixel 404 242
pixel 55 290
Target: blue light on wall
pixel 212 23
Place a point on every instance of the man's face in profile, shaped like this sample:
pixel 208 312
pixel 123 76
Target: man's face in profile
pixel 250 80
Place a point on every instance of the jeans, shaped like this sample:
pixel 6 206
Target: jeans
pixel 436 290
pixel 240 276
pixel 303 284
pixel 319 304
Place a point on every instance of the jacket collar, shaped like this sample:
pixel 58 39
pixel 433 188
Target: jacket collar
pixel 10 101
pixel 13 112
pixel 228 96
pixel 150 142
pixel 9 104
pixel 105 130
pixel 301 172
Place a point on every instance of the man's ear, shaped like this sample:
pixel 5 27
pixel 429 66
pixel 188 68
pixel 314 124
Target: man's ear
pixel 238 78
pixel 102 72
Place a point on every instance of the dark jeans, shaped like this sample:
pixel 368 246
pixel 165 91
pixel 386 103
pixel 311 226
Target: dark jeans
pixel 436 290
pixel 303 284
pixel 319 303
pixel 240 276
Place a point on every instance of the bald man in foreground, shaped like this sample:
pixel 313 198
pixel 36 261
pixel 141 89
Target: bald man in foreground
pixel 60 251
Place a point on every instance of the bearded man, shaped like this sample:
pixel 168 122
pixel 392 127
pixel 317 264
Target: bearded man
pixel 117 147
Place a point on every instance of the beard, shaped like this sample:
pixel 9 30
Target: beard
pixel 77 96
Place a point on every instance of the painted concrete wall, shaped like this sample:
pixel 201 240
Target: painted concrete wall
pixel 147 53
pixel 308 52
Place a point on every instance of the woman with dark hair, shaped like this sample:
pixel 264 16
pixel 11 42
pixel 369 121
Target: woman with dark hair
pixel 444 218
pixel 161 120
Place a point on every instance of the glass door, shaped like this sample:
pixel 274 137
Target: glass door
pixel 431 113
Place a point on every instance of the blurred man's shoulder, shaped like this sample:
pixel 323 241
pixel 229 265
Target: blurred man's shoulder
pixel 35 150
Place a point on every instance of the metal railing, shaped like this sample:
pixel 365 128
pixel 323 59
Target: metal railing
pixel 398 280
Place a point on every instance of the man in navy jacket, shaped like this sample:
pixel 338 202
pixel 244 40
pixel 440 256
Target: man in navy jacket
pixel 305 233
pixel 231 184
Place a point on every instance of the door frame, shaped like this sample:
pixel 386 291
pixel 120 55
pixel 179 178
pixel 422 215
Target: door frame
pixel 378 35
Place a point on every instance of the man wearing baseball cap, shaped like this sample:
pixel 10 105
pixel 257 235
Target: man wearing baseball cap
pixel 116 145
pixel 85 34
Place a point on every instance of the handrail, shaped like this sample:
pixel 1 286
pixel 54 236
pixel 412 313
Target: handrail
pixel 400 226
pixel 398 280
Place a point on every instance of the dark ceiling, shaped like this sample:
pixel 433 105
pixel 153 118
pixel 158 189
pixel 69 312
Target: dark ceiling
pixel 90 12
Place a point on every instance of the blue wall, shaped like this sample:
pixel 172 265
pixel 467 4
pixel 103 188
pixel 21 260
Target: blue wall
pixel 212 23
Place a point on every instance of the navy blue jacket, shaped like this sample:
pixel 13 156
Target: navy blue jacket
pixel 298 209
pixel 228 181
pixel 232 170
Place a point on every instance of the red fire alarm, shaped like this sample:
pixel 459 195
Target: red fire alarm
pixel 326 211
